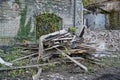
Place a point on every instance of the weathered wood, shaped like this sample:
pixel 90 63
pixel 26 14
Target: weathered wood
pixel 52 47
pixel 5 63
pixel 73 39
pixel 28 66
pixel 24 57
pixel 59 39
pixel 87 46
pixel 37 76
pixel 42 38
pixel 78 51
pixel 76 58
pixel 76 62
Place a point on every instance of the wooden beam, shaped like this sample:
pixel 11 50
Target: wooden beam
pixel 73 60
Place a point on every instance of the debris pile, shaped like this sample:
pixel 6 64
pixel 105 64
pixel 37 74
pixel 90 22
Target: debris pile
pixel 59 46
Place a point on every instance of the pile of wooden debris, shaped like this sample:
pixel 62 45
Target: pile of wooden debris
pixel 53 45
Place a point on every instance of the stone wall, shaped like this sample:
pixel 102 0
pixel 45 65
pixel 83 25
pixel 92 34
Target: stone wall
pixel 70 13
pixel 10 14
pixel 9 20
pixel 63 8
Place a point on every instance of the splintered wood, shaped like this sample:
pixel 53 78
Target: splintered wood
pixel 62 42
pixel 49 40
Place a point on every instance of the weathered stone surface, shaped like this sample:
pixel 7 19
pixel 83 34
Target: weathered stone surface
pixel 110 39
pixel 62 8
pixel 9 20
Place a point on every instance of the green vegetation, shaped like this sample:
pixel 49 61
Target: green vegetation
pixel 114 20
pixel 72 30
pixel 14 54
pixel 18 2
pixel 111 61
pixel 85 2
pixel 24 29
pixel 47 23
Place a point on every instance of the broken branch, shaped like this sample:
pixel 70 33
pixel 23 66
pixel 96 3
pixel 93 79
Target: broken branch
pixel 76 62
pixel 24 57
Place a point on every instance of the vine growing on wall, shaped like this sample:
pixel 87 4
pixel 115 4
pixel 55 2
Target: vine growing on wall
pixel 24 28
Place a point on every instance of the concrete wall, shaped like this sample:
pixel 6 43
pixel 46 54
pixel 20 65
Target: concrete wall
pixel 62 8
pixel 10 14
pixel 96 21
pixel 10 18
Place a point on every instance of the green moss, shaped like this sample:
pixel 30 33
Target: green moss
pixel 72 30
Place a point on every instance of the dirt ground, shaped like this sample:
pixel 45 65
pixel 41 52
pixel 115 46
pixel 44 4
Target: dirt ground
pixel 66 75
pixel 64 71
pixel 60 72
pixel 57 74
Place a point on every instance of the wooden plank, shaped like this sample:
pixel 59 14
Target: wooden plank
pixel 73 60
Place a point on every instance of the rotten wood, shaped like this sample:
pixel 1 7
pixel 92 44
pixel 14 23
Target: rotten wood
pixel 73 60
pixel 44 37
